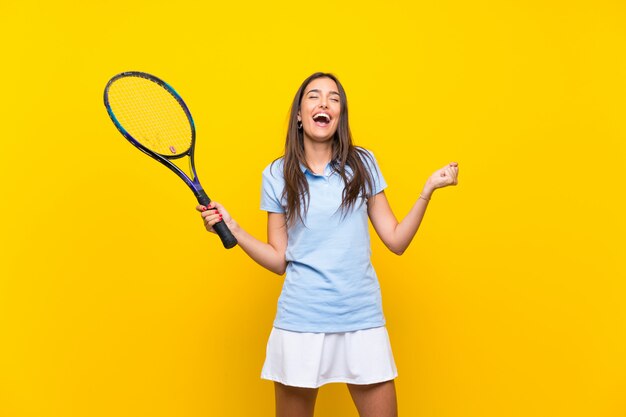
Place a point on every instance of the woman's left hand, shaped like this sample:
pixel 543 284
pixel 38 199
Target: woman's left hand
pixel 444 177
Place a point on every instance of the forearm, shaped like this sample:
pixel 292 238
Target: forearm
pixel 262 253
pixel 406 229
pixel 398 235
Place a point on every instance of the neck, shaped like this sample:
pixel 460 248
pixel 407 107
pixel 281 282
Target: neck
pixel 318 155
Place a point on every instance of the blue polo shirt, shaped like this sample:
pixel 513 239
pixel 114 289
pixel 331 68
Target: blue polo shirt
pixel 330 284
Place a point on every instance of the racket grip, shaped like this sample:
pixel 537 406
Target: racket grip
pixel 228 240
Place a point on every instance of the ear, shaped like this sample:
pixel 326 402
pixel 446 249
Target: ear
pixel 299 117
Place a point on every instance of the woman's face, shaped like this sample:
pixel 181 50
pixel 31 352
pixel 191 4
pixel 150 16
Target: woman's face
pixel 320 109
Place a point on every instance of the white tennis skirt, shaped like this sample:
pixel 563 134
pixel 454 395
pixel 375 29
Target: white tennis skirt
pixel 311 360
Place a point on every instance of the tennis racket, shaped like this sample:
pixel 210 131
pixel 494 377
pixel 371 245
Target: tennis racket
pixel 156 120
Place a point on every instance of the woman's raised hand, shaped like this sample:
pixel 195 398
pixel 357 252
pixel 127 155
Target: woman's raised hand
pixel 448 175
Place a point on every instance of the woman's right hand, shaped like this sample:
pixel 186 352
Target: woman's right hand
pixel 212 214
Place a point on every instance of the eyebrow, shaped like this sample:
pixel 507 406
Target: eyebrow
pixel 316 90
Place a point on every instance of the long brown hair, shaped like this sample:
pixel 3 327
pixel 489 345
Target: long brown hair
pixel 358 182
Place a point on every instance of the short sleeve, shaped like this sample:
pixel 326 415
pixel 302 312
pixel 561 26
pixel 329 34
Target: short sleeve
pixel 377 176
pixel 272 187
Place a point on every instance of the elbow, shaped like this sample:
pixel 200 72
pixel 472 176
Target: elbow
pixel 279 269
pixel 395 244
pixel 396 247
pixel 398 250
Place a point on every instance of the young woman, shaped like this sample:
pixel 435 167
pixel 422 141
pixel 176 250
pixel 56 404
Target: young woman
pixel 329 326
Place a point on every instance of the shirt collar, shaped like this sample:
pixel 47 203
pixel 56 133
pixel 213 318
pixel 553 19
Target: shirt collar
pixel 327 169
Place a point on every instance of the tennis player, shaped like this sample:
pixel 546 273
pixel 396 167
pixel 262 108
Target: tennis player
pixel 329 325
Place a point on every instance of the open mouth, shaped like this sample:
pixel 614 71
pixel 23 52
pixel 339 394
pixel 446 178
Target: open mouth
pixel 321 119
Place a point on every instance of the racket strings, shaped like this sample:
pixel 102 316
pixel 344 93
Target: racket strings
pixel 151 115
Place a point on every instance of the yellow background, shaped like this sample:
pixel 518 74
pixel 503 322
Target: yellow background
pixel 510 302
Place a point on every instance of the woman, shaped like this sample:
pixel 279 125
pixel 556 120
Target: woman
pixel 329 326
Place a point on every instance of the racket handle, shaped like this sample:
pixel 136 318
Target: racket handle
pixel 228 240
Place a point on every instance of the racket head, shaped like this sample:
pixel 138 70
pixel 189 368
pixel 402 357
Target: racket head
pixel 150 114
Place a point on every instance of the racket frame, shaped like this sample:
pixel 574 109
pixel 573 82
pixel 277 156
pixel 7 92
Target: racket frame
pixel 193 183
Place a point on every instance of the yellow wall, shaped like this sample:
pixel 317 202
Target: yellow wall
pixel 511 302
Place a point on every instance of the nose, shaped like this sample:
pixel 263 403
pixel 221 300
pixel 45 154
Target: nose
pixel 323 102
